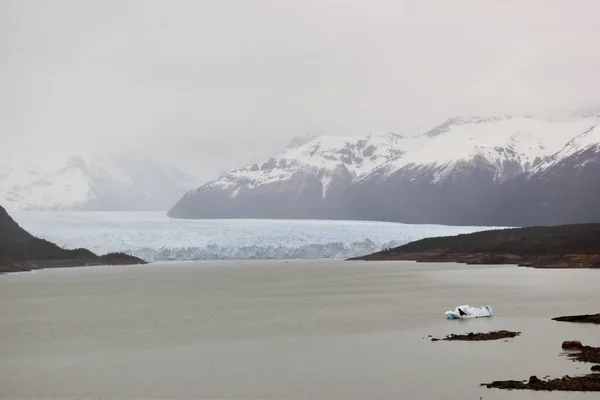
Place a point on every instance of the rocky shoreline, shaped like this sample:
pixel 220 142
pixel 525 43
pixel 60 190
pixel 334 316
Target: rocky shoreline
pixel 576 352
pixel 582 353
pixel 475 337
pixel 572 349
pixel 535 261
pixel 584 319
pixel 107 259
pixel 587 383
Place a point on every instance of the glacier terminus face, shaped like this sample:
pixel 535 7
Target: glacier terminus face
pixel 154 237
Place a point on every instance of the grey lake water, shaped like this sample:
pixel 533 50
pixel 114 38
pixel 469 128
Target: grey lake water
pixel 286 330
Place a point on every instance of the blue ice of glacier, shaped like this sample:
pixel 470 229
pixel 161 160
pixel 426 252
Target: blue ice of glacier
pixel 154 237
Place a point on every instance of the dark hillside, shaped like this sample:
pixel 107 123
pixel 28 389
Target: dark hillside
pixel 21 251
pixel 576 245
pixel 10 231
pixel 561 239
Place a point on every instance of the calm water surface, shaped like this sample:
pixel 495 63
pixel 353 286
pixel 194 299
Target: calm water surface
pixel 285 330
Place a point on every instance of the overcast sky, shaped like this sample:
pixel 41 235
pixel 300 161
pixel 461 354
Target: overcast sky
pixel 210 85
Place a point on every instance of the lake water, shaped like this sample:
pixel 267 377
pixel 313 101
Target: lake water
pixel 286 330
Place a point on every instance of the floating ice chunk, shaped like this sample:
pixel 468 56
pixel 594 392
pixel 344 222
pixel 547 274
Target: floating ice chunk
pixel 466 311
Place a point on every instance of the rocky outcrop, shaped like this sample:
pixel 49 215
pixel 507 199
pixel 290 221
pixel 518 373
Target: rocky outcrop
pixel 572 345
pixel 476 337
pixel 585 318
pixel 587 383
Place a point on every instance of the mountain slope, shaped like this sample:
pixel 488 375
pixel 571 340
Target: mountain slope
pixel 459 175
pixel 461 172
pixel 99 183
pixel 10 232
pixel 565 188
pixel 306 180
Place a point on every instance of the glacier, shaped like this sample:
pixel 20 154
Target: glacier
pixel 153 236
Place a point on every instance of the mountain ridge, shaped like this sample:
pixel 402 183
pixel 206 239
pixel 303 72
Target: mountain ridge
pixel 444 175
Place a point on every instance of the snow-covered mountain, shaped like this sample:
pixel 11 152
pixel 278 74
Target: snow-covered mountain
pixel 445 175
pixel 98 183
pixel 506 146
pixel 306 180
pixel 574 156
pixel 460 175
pixel 565 188
pixel 325 158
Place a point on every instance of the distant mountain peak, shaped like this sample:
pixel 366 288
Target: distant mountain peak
pixel 94 183
pixel 298 141
pixel 462 120
pixel 76 162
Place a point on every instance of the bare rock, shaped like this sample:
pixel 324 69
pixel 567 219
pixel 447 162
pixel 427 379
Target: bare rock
pixel 572 345
pixel 584 318
pixel 474 337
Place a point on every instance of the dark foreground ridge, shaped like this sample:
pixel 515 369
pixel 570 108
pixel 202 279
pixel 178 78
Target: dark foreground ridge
pixel 562 246
pixel 474 337
pixel 586 318
pixel 21 251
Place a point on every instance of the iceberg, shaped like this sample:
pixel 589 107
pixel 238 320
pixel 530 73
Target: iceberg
pixel 466 311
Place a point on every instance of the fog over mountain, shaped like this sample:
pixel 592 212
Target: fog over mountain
pixel 99 182
pixel 207 86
